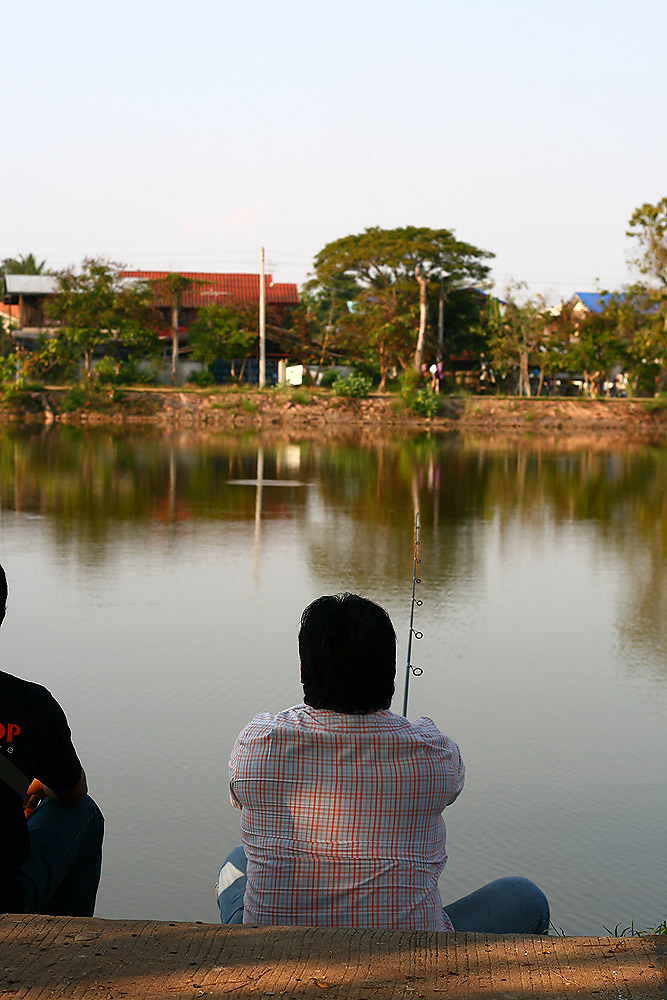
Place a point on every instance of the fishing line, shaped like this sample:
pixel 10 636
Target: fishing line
pixel 410 669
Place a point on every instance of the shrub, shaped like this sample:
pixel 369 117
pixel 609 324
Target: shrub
pixel 204 379
pixel 74 399
pixel 329 376
pixel 106 372
pixel 7 369
pixel 424 402
pixel 301 396
pixel 409 379
pixel 655 405
pixel 354 386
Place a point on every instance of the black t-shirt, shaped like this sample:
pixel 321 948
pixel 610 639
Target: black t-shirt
pixel 34 736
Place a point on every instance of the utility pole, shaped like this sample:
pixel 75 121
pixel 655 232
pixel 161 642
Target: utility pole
pixel 262 323
pixel 441 321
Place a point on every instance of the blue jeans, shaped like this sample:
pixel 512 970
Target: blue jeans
pixel 512 905
pixel 63 871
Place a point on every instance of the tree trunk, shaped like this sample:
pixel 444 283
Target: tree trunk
pixel 174 335
pixel 524 379
pixel 421 336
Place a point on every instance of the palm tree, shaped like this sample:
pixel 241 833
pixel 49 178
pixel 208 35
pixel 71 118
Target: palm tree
pixel 23 264
pixel 177 284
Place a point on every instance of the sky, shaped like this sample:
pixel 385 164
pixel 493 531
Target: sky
pixel 186 136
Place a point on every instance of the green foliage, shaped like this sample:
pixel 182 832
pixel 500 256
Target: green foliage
pixel 54 359
pixel 596 349
pixel 355 386
pixel 249 405
pixel 390 270
pixel 97 308
pixel 409 381
pixel 21 396
pixel 7 369
pixel 107 371
pixel 219 332
pixel 656 405
pixel 516 334
pixel 424 402
pixel 329 376
pixel 23 264
pixel 74 399
pixel 648 226
pixel 301 396
pixel 632 931
pixel 203 379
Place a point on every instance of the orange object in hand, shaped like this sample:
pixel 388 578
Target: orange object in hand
pixel 34 796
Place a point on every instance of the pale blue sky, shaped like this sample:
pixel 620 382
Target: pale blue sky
pixel 186 135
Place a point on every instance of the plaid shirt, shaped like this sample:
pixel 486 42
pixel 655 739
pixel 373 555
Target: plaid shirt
pixel 341 818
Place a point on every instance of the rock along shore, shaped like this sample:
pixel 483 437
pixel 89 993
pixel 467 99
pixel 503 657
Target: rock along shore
pixel 321 411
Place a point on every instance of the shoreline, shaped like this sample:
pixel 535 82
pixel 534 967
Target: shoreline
pixel 319 411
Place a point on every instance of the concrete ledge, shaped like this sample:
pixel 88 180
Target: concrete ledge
pixel 72 957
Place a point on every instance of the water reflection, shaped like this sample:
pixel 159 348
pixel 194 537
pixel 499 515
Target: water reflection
pixel 173 567
pixel 85 482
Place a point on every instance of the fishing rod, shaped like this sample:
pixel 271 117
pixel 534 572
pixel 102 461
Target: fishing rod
pixel 410 669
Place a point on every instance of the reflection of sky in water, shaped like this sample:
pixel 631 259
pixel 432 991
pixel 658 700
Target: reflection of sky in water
pixel 164 615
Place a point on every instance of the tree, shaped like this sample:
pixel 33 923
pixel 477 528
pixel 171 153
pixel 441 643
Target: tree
pixel 516 334
pixel 380 329
pixel 379 260
pixel 177 285
pixel 95 306
pixel 23 264
pixel 648 226
pixel 596 348
pixel 321 312
pixel 219 332
pixel 647 301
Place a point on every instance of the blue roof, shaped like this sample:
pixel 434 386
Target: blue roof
pixel 595 301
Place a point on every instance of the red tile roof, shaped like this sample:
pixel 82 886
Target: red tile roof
pixel 228 289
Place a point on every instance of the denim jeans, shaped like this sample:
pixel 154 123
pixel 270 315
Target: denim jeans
pixel 62 874
pixel 512 905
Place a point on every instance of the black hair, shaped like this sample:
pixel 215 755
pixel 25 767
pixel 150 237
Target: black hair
pixel 347 646
pixel 3 590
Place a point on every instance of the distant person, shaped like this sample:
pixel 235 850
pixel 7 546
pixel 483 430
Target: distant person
pixel 50 829
pixel 341 800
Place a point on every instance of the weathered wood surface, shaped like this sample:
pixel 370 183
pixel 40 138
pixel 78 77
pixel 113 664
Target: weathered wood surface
pixel 71 957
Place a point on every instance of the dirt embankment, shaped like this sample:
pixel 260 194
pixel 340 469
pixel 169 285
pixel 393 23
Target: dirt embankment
pixel 317 410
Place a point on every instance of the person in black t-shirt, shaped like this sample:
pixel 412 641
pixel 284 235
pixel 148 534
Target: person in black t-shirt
pixel 50 829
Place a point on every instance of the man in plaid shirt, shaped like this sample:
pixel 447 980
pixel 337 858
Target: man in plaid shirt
pixel 341 800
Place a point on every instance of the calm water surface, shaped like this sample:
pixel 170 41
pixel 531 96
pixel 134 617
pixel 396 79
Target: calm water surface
pixel 156 584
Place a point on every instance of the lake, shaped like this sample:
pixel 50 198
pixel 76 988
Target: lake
pixel 156 585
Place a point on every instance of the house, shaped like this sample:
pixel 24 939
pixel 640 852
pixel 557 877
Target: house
pixel 25 295
pixel 23 303
pixel 237 291
pixel 584 303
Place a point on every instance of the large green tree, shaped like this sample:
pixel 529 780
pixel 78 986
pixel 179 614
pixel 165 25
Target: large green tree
pixel 382 261
pixel 96 307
